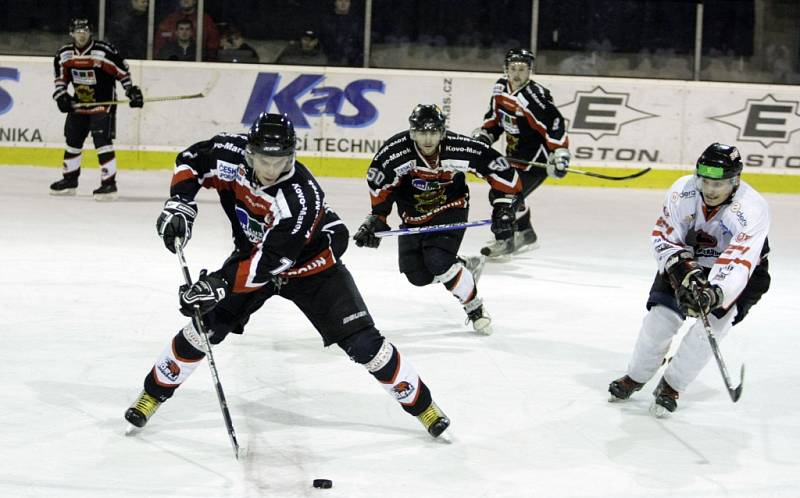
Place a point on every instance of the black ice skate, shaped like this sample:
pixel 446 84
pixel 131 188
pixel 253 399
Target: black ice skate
pixel 474 264
pixel 524 239
pixel 622 388
pixel 666 400
pixel 476 313
pixel 68 185
pixel 107 190
pixel 499 248
pixel 434 420
pixel 142 409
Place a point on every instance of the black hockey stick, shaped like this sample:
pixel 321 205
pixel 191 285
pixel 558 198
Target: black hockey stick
pixel 735 393
pixel 432 228
pixel 198 323
pixel 597 175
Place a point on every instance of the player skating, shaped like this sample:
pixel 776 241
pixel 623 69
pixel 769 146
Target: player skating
pixel 534 130
pixel 711 246
pixel 423 171
pixel 287 243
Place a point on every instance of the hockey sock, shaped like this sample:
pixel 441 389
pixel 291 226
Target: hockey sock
pixel 72 159
pixel 174 365
pixel 460 282
pixel 400 379
pixel 108 162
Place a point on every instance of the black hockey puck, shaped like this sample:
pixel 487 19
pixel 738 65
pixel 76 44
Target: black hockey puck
pixel 323 483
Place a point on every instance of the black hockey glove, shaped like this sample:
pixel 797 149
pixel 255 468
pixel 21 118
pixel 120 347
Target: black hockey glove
pixel 365 236
pixel 204 294
pixel 175 222
pixel 558 162
pixel 691 286
pixel 483 136
pixel 135 95
pixel 64 102
pixel 692 300
pixel 503 216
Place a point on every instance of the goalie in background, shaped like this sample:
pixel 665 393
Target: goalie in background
pixel 92 67
pixel 423 170
pixel 711 246
pixel 534 130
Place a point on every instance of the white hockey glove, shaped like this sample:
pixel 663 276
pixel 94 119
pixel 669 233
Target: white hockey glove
pixel 558 162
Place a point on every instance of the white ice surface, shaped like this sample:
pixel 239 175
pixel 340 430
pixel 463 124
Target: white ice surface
pixel 88 299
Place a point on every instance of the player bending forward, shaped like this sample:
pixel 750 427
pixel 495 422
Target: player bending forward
pixel 711 246
pixel 287 243
pixel 423 170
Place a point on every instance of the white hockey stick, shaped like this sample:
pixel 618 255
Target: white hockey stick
pixel 432 228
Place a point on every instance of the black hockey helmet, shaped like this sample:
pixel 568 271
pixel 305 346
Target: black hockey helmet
pixel 427 117
pixel 519 55
pixel 719 161
pixel 79 24
pixel 272 135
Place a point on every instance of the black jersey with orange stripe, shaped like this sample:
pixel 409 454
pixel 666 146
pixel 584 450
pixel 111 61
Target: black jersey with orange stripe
pixel 277 229
pixel 422 187
pixel 532 124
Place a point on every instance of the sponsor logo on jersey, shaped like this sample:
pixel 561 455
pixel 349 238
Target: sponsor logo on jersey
pixel 169 369
pixel 743 237
pixel 83 76
pixel 253 229
pixel 402 390
pixel 766 120
pixel 305 97
pixel 598 113
pixel 227 171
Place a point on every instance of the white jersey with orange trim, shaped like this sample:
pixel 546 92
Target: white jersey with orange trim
pixel 728 239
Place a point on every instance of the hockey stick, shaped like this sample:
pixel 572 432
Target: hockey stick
pixel 736 392
pixel 597 175
pixel 432 228
pixel 198 322
pixel 167 98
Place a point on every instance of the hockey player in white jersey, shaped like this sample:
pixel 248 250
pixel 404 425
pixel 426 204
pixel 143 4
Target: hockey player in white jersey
pixel 711 246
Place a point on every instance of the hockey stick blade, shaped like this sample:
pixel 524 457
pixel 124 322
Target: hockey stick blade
pixel 432 228
pixel 598 175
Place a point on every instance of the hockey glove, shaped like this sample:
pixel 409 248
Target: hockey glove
pixel 692 300
pixel 365 236
pixel 482 135
pixel 503 216
pixel 135 95
pixel 175 222
pixel 204 294
pixel 64 102
pixel 558 162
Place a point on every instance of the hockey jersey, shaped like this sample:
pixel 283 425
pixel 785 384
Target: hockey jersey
pixel 532 124
pixel 730 239
pixel 400 174
pixel 93 72
pixel 278 230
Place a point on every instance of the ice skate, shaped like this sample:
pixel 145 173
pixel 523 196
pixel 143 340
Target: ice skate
pixel 499 248
pixel 481 320
pixel 666 400
pixel 68 185
pixel 524 240
pixel 434 420
pixel 142 409
pixel 107 190
pixel 622 388
pixel 474 264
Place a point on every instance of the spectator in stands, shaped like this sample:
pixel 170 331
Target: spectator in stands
pixel 342 35
pixel 128 28
pixel 305 52
pixel 182 46
pixel 233 48
pixel 187 9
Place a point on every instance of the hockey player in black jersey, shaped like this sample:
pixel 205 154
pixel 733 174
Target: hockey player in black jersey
pixel 423 170
pixel 92 67
pixel 534 131
pixel 288 243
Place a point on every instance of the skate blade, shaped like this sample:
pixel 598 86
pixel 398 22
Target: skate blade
pixel 64 193
pixel 106 197
pixel 485 331
pixel 132 430
pixel 658 411
pixel 614 399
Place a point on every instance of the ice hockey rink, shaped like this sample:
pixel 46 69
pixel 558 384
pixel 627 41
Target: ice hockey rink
pixel 89 298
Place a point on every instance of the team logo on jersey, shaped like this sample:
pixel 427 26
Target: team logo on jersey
pixel 322 100
pixel 83 76
pixel 767 120
pixel 743 237
pixel 429 201
pixel 402 390
pixel 169 369
pixel 84 93
pixel 598 113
